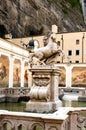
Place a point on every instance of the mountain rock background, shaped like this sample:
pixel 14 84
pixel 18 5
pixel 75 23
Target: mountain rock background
pixel 23 18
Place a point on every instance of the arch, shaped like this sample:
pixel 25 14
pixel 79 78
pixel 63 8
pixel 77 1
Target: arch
pixel 37 126
pixel 33 44
pixel 7 124
pixel 21 127
pixel 3 30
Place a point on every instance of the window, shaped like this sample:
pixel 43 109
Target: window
pixel 77 52
pixel 70 61
pixel 77 42
pixel 69 53
pixel 58 61
pixel 76 61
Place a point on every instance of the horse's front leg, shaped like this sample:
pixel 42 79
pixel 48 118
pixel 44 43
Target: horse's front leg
pixel 31 59
pixel 41 58
pixel 62 53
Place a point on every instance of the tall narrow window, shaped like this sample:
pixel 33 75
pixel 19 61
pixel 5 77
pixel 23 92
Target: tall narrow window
pixel 77 42
pixel 77 52
pixel 69 52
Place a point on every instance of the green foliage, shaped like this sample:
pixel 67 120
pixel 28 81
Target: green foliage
pixel 74 2
pixel 64 8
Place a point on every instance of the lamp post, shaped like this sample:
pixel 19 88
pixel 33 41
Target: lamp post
pixel 62 45
pixel 83 47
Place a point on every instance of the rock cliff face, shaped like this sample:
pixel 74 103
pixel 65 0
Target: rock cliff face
pixel 23 18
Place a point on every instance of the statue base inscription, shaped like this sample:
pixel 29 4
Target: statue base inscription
pixel 44 91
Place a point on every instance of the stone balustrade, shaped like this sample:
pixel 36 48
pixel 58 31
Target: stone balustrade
pixel 13 94
pixel 63 119
pixel 81 91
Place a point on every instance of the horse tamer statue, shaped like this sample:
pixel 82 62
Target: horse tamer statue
pixel 48 54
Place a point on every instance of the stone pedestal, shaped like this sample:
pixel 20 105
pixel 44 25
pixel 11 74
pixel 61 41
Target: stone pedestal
pixel 44 91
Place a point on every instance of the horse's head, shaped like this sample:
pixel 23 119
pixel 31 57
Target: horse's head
pixel 49 37
pixel 52 36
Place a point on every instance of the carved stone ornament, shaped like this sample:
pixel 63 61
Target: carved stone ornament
pixel 81 122
pixel 40 93
pixel 41 81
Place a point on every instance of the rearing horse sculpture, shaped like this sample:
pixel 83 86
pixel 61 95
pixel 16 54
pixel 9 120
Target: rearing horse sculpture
pixel 47 55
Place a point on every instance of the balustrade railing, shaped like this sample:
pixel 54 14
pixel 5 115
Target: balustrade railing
pixel 16 93
pixel 70 120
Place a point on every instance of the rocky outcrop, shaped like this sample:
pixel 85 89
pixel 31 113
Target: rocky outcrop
pixel 23 18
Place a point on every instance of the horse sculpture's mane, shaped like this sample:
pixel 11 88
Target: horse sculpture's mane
pixel 47 54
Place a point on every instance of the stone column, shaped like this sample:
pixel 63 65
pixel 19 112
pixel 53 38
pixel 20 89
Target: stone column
pixel 29 78
pixel 22 72
pixel 11 63
pixel 68 76
pixel 73 120
pixel 44 90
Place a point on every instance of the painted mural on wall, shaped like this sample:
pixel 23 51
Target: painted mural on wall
pixel 16 73
pixel 4 71
pixel 79 76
